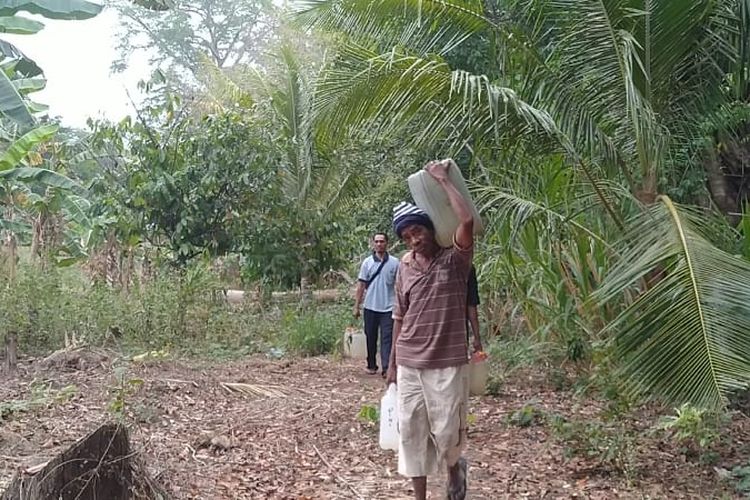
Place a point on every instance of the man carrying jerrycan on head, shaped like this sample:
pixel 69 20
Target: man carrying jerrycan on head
pixel 429 353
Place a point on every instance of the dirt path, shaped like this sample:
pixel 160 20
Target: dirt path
pixel 303 439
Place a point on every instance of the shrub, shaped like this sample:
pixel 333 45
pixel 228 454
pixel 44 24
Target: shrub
pixel 695 430
pixel 610 445
pixel 314 332
pixel 526 416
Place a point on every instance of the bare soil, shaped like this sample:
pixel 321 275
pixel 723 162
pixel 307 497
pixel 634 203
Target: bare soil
pixel 294 433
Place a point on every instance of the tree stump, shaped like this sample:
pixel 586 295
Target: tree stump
pixel 96 467
pixel 11 352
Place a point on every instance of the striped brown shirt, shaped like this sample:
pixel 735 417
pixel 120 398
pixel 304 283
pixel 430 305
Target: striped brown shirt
pixel 431 304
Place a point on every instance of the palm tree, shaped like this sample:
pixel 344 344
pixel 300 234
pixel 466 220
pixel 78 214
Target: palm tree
pixel 622 88
pixel 309 185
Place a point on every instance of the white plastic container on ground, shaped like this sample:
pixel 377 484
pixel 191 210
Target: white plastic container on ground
pixel 389 419
pixel 430 197
pixel 355 344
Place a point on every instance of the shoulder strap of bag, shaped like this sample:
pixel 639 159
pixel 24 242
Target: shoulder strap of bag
pixel 380 268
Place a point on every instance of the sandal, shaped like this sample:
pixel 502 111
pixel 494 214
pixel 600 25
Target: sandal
pixel 458 491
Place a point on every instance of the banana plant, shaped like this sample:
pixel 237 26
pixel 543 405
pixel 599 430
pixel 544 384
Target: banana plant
pixel 32 193
pixel 21 75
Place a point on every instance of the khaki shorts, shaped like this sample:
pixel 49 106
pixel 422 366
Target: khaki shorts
pixel 432 407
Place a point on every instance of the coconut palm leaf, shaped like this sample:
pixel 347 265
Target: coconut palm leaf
pixel 518 211
pixel 685 338
pixel 399 91
pixel 221 89
pixel 424 26
pixel 636 75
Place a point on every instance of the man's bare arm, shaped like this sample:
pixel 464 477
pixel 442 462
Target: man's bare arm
pixel 473 314
pixel 392 369
pixel 358 294
pixel 465 230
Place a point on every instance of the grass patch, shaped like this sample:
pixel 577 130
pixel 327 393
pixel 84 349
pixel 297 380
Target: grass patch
pixel 182 313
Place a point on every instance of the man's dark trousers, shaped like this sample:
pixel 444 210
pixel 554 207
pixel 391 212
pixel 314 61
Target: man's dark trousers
pixel 375 321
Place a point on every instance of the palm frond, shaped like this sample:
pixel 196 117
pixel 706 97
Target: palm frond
pixel 624 84
pixel 518 211
pixel 424 26
pixel 220 89
pixel 685 338
pixel 398 90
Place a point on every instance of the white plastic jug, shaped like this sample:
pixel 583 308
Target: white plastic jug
pixel 355 344
pixel 430 197
pixel 389 419
pixel 478 373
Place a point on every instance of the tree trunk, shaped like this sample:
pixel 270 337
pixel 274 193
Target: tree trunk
pixel 37 236
pixel 112 261
pixel 127 268
pixel 96 467
pixel 12 248
pixel 11 352
pixel 146 270
pixel 305 289
pixel 718 185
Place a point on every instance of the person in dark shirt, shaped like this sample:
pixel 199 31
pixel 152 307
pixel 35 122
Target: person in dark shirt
pixel 472 313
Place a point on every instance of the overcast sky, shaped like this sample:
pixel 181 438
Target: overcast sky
pixel 75 57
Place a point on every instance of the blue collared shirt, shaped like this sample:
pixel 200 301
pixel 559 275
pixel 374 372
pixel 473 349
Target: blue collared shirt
pixel 380 293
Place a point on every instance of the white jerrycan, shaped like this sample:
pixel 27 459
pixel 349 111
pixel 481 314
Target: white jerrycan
pixel 389 419
pixel 355 344
pixel 430 197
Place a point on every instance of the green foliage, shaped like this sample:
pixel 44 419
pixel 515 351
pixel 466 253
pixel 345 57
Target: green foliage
pixel 368 414
pixel 123 389
pixel 683 338
pixel 612 446
pixel 741 474
pixel 526 416
pixel 174 310
pixel 696 430
pixel 494 385
pixel 191 185
pixel 42 395
pixel 314 332
pixel 508 356
pixel 252 181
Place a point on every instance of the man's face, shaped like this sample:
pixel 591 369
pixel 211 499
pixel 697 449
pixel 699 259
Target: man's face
pixel 379 243
pixel 418 238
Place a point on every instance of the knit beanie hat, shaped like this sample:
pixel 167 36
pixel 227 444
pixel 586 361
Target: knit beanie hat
pixel 405 214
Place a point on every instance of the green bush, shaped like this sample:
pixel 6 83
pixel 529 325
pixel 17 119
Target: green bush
pixel 695 430
pixel 611 445
pixel 181 311
pixel 314 332
pixel 528 415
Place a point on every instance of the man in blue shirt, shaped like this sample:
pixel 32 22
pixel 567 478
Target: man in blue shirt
pixel 377 276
